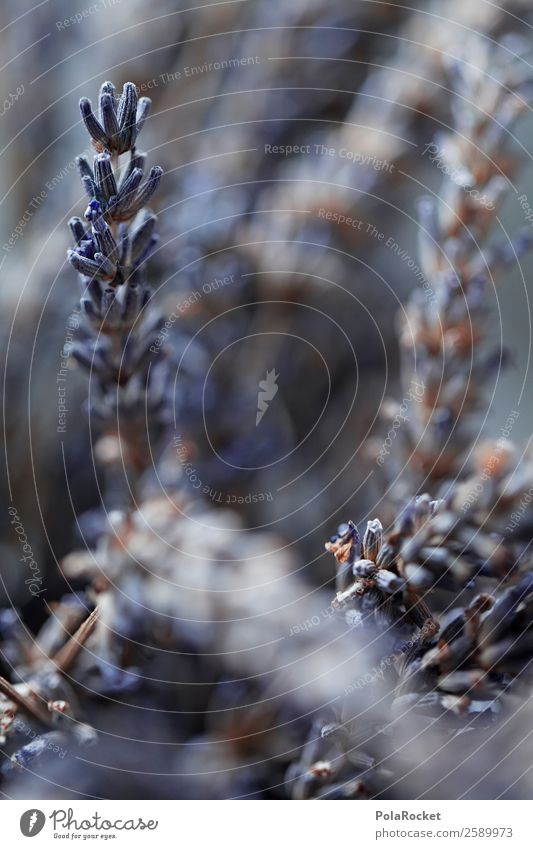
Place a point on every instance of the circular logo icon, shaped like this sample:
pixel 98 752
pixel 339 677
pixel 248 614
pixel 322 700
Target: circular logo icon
pixel 32 822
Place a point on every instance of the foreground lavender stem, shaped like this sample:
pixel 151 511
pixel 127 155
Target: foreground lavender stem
pixel 110 255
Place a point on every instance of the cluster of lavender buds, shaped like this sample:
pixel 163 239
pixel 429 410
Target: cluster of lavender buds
pixel 452 614
pixel 113 244
pixel 41 712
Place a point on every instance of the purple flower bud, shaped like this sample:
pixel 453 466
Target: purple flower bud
pixel 108 117
pixel 105 178
pixel 94 128
pixel 143 109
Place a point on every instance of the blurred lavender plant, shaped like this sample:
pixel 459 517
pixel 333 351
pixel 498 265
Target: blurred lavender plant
pixel 456 641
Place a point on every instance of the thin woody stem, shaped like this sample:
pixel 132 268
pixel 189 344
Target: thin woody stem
pixel 68 653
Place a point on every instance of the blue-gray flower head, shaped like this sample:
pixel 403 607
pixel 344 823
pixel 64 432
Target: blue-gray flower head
pixel 119 123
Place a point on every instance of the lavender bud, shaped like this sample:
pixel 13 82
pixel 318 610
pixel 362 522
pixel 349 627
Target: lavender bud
pixel 142 237
pixel 345 548
pixel 106 269
pixel 87 306
pixel 363 568
pixel 132 303
pixel 386 556
pixel 126 115
pixel 83 355
pixel 108 88
pixel 90 186
pixel 105 239
pixel 422 510
pixel 127 193
pixel 148 189
pixel 498 620
pixel 111 307
pixel 105 178
pixel 387 581
pixel 87 267
pixel 108 117
pixel 77 229
pixel 93 126
pixel 372 539
pixel 137 160
pixel 84 167
pixel 125 249
pixel 143 110
pixel 94 210
pixel 406 522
